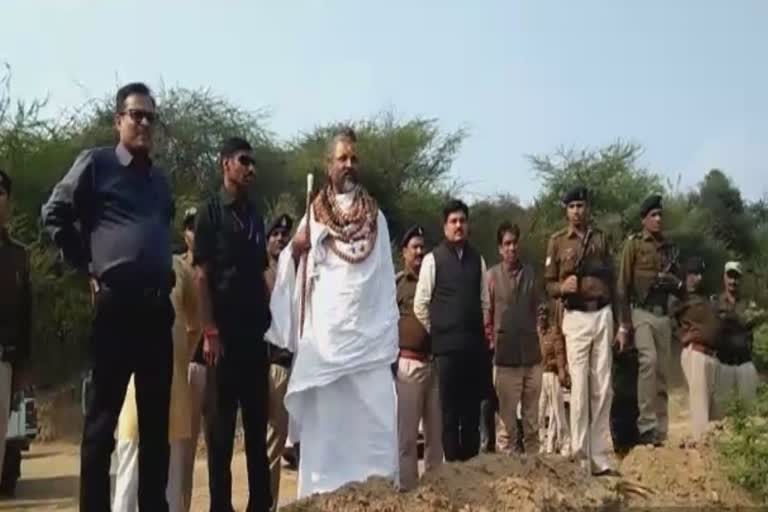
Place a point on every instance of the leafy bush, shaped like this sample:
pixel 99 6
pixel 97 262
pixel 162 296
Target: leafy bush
pixel 744 447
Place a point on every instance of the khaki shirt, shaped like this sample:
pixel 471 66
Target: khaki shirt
pixel 643 258
pixel 406 291
pixel 15 298
pixel 186 335
pixel 563 252
pixel 411 333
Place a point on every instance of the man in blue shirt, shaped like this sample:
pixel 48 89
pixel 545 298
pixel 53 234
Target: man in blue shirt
pixel 111 216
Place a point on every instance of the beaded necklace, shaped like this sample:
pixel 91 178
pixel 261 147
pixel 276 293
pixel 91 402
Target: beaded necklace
pixel 352 231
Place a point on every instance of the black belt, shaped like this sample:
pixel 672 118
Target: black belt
pixel 135 292
pixel 587 306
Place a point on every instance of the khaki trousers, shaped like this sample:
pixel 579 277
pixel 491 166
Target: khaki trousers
pixel 196 374
pixel 653 338
pixel 554 433
pixel 736 381
pixel 6 382
pixel 588 338
pixel 277 426
pixel 418 401
pixel 520 386
pixel 701 374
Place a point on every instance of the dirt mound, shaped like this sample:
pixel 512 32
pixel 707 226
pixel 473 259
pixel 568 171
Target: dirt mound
pixel 652 478
pixel 681 476
pixel 485 484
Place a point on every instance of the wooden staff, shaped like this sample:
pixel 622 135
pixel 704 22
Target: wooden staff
pixel 310 180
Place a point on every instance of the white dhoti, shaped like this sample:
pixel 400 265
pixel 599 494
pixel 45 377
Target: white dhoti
pixel 352 425
pixel 341 395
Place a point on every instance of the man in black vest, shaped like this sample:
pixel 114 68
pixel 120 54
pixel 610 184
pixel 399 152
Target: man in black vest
pixel 517 376
pixel 452 303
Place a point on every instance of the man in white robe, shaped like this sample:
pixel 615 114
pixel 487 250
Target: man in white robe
pixel 341 393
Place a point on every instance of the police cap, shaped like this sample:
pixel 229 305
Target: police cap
pixel 694 265
pixel 651 203
pixel 576 193
pixel 190 214
pixel 284 222
pixel 413 231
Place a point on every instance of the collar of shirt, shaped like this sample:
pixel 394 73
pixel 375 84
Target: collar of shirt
pixel 126 158
pixel 410 275
pixel 229 199
pixel 573 232
pixel 650 237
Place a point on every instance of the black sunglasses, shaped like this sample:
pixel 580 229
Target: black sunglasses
pixel 139 115
pixel 246 160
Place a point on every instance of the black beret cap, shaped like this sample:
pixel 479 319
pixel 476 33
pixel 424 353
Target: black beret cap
pixel 190 214
pixel 651 203
pixel 694 265
pixel 577 193
pixel 413 231
pixel 283 221
pixel 5 182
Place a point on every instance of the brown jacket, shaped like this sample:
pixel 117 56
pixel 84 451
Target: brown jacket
pixel 699 321
pixel 554 356
pixel 553 350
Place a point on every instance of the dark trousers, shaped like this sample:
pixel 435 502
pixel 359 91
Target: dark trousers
pixel 131 335
pixel 239 379
pixel 624 409
pixel 488 409
pixel 462 381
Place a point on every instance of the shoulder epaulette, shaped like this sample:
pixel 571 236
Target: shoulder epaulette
pixel 399 276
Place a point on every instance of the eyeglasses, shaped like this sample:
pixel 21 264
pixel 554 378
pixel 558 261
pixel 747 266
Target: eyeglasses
pixel 137 116
pixel 246 160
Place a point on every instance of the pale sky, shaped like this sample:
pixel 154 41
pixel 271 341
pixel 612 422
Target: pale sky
pixel 687 79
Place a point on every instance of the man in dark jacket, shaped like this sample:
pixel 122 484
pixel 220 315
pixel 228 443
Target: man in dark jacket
pixel 15 325
pixel 517 372
pixel 452 304
pixel 737 374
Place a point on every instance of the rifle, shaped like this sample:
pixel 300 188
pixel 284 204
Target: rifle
pixel 662 283
pixel 578 269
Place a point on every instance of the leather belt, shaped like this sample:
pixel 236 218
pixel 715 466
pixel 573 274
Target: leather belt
pixel 134 292
pixel 417 356
pixel 704 349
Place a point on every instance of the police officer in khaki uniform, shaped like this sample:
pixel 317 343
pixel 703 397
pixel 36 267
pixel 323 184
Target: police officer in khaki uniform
pixel 278 235
pixel 416 373
pixel 15 324
pixel 578 271
pixel 647 278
